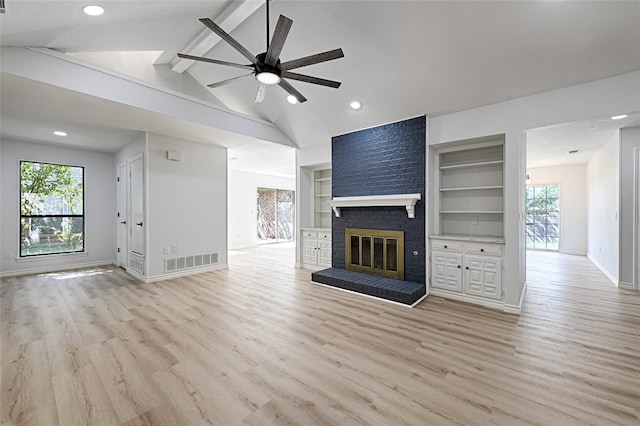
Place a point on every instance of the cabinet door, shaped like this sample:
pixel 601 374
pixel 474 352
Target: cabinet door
pixel 309 251
pixel 446 272
pixel 324 253
pixel 483 276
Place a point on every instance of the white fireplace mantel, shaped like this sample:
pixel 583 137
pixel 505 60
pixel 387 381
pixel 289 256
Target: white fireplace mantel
pixel 396 200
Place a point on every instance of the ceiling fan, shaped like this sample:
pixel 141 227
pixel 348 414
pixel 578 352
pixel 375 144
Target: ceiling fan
pixel 266 67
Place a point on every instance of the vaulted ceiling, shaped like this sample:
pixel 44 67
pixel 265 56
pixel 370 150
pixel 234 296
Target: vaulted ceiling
pixel 402 59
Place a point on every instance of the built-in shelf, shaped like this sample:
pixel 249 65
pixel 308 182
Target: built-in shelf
pixel 470 194
pixel 466 165
pixel 395 200
pixel 471 188
pixel 321 198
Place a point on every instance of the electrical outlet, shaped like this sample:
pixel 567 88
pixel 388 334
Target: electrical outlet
pixel 165 249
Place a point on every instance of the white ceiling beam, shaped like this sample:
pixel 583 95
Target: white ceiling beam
pixel 232 16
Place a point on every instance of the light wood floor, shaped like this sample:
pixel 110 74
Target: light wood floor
pixel 258 344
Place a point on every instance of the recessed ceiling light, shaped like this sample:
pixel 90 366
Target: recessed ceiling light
pixel 93 10
pixel 60 133
pixel 619 117
pixel 292 99
pixel 355 104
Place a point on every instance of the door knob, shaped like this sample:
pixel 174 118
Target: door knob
pixel 124 222
pixel 139 224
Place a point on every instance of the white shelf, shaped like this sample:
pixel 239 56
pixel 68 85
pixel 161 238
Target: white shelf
pixel 322 211
pixel 466 165
pixel 401 200
pixel 471 211
pixel 323 195
pixel 322 179
pixel 471 188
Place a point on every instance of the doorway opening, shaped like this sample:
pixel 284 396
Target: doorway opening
pixel 543 217
pixel 276 215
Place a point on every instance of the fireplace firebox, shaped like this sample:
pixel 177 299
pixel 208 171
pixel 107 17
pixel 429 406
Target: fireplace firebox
pixel 375 252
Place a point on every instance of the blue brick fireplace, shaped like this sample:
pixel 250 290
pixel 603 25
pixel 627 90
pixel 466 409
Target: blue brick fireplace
pixel 384 160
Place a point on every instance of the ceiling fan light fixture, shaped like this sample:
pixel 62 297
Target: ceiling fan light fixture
pixel 268 78
pixel 93 10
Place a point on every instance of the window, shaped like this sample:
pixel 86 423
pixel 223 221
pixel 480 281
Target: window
pixel 543 217
pixel 276 212
pixel 51 209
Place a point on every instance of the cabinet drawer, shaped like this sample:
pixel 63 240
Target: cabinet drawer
pixel 446 245
pixel 309 234
pixel 486 249
pixel 324 235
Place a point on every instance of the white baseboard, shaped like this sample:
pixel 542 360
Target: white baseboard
pixel 58 268
pixel 613 279
pixel 469 299
pixel 626 286
pixel 180 274
pixel 516 309
pixel 370 296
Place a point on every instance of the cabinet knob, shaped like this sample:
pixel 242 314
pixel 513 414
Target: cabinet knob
pixel 445 246
pixel 481 249
pixel 466 267
pixel 459 267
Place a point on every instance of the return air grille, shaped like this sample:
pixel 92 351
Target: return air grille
pixel 190 262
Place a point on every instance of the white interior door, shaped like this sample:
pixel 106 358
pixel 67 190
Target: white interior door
pixel 122 215
pixel 136 202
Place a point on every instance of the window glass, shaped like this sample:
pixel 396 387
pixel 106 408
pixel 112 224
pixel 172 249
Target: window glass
pixel 51 208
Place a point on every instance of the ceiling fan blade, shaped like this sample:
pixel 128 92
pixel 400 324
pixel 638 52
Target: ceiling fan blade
pixel 277 42
pixel 310 79
pixel 226 37
pixel 230 80
pixel 215 61
pixel 292 91
pixel 262 88
pixel 312 59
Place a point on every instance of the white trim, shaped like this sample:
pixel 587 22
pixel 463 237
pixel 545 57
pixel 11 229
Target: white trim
pixel 626 286
pixel 469 299
pixel 370 296
pixel 47 269
pixel 516 309
pixel 396 200
pixel 608 274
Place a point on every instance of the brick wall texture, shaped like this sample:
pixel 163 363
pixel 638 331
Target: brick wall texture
pixel 384 160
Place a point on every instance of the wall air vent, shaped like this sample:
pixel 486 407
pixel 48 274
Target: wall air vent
pixel 190 262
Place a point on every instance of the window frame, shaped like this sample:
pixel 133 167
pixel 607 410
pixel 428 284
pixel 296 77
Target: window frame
pixel 22 256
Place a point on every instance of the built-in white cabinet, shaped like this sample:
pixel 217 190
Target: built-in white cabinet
pixel 316 248
pixel 321 198
pixel 467 267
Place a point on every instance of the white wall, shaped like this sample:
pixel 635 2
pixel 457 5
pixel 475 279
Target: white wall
pixel 573 203
pixel 603 183
pixel 100 206
pixel 243 188
pixel 187 201
pixel 629 275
